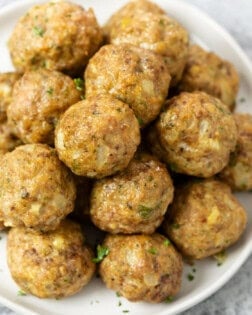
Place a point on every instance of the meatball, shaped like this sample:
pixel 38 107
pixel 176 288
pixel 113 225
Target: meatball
pixel 41 39
pixel 141 267
pixel 100 141
pixel 39 98
pixel 50 265
pixel 8 141
pixel 131 74
pixel 7 81
pixel 197 132
pixel 154 31
pixel 204 218
pixel 238 173
pixel 135 200
pixel 37 190
pixel 205 71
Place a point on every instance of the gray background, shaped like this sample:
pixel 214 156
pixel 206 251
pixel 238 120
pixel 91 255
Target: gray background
pixel 235 298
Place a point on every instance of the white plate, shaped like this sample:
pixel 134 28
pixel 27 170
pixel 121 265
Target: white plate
pixel 95 298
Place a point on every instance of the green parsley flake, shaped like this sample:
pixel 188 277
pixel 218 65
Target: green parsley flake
pixel 79 84
pixel 144 211
pixel 119 303
pixel 175 225
pixel 102 252
pixel 167 242
pixel 38 31
pixel 21 293
pixel 152 251
pixel 50 91
pixel 242 100
pixel 140 121
pixel 0 238
pixel 125 311
pixel 118 294
pixel 169 299
pixel 190 277
pixel 221 258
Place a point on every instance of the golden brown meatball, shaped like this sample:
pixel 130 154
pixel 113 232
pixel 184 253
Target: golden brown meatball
pixel 131 74
pixel 50 265
pixel 135 200
pixel 39 98
pixel 99 142
pixel 8 141
pixel 7 81
pixel 37 190
pixel 205 71
pixel 154 31
pixel 204 218
pixel 197 132
pixel 238 173
pixel 141 267
pixel 56 36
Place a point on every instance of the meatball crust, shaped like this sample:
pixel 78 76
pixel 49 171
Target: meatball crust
pixel 39 98
pixel 238 173
pixel 141 267
pixel 197 132
pixel 154 31
pixel 8 141
pixel 131 74
pixel 7 81
pixel 41 39
pixel 135 200
pixel 37 190
pixel 2 227
pixel 204 218
pixel 100 141
pixel 205 71
pixel 50 265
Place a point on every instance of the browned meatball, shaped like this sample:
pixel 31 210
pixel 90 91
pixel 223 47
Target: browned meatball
pixel 50 265
pixel 99 142
pixel 8 141
pixel 7 81
pixel 37 190
pixel 204 218
pixel 134 75
pixel 205 71
pixel 56 36
pixel 197 133
pixel 39 98
pixel 135 200
pixel 151 30
pixel 141 267
pixel 238 173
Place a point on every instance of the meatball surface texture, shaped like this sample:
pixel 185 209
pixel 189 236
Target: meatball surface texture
pixel 204 218
pixel 131 74
pixel 97 137
pixel 135 200
pixel 50 265
pixel 205 71
pixel 39 98
pixel 198 133
pixel 141 267
pixel 41 39
pixel 37 190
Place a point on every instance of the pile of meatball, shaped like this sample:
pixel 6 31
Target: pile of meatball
pixel 144 146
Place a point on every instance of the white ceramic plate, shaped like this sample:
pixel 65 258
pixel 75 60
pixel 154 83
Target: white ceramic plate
pixel 95 298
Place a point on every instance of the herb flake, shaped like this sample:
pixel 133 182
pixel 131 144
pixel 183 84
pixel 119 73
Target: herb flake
pixel 50 91
pixel 169 299
pixel 144 211
pixel 38 31
pixel 21 293
pixel 167 242
pixel 79 84
pixel 102 252
pixel 152 251
pixel 190 277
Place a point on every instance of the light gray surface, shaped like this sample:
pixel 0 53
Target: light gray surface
pixel 235 298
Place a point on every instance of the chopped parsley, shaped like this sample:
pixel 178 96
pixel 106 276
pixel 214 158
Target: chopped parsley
pixel 79 84
pixel 169 299
pixel 175 225
pixel 242 100
pixel 38 31
pixel 194 270
pixel 152 251
pixel 0 237
pixel 119 303
pixel 167 242
pixel 21 293
pixel 220 257
pixel 125 311
pixel 118 294
pixel 50 91
pixel 102 252
pixel 140 121
pixel 144 211
pixel 190 277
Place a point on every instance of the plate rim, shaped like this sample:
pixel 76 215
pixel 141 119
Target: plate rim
pixel 247 250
